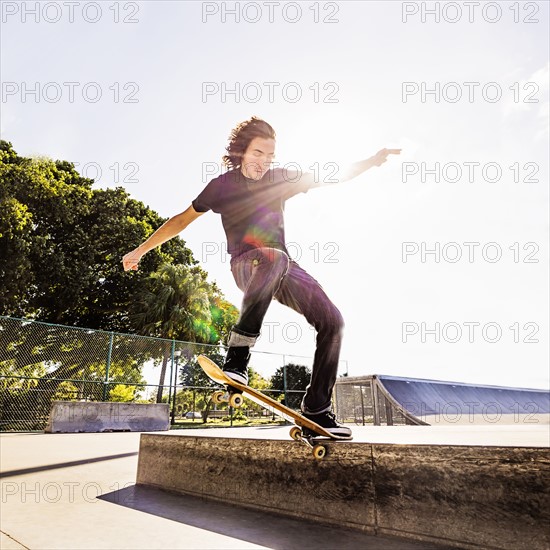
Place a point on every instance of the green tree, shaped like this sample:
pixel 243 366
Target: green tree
pixel 122 393
pixel 184 402
pixel 297 380
pixel 61 244
pixel 223 316
pixel 174 305
pixel 257 381
pixel 15 268
pixel 192 376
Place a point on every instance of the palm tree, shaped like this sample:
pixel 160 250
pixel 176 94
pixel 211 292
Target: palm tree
pixel 176 305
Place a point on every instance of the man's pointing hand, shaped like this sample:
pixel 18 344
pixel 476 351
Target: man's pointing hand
pixel 382 156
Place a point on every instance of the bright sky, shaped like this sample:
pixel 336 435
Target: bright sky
pixel 467 101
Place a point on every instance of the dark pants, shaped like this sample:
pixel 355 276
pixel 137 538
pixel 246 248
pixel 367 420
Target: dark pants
pixel 265 274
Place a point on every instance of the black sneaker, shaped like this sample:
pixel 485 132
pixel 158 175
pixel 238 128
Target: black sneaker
pixel 236 364
pixel 328 421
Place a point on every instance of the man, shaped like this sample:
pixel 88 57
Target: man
pixel 250 197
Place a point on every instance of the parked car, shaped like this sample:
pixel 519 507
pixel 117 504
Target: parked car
pixel 192 414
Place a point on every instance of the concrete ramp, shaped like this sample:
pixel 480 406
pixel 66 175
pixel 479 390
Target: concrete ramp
pixel 460 496
pixel 383 399
pixel 433 401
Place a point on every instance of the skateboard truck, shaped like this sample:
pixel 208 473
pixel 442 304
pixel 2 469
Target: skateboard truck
pixel 231 396
pixel 297 433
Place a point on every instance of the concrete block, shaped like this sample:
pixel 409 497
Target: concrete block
pixel 279 476
pixel 91 416
pixel 467 497
pixel 491 497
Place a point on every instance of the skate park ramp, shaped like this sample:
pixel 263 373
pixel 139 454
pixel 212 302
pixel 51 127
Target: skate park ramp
pixel 393 400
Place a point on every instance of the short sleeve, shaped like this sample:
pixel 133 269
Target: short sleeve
pixel 208 197
pixel 296 181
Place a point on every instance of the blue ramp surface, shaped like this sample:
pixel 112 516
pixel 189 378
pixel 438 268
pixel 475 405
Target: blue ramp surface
pixel 426 398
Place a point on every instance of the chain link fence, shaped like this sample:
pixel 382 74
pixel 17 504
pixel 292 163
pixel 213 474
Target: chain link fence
pixel 360 401
pixel 42 362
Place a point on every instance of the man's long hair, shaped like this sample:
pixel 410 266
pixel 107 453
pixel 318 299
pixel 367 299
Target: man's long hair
pixel 240 138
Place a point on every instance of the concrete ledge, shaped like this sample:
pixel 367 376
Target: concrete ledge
pixel 89 416
pixel 469 497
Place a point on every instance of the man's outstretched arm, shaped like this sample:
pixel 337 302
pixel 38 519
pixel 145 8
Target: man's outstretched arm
pixel 302 181
pixel 165 232
pixel 357 168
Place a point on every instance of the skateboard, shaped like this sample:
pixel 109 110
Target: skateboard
pixel 304 430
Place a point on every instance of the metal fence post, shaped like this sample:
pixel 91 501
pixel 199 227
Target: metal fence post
pixel 109 354
pixel 284 379
pixel 171 374
pixel 177 355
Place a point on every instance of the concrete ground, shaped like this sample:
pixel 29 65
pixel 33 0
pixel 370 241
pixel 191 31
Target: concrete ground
pixel 77 491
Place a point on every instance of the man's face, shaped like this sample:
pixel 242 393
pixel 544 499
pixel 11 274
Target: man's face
pixel 258 157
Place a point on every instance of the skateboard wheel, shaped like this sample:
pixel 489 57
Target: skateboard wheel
pixel 217 397
pixel 296 433
pixel 319 452
pixel 236 400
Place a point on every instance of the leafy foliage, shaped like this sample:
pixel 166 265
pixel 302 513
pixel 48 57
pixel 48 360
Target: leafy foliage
pixel 61 244
pixel 297 379
pixel 122 393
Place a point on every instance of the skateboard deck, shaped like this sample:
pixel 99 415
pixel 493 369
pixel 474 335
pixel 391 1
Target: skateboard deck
pixel 301 422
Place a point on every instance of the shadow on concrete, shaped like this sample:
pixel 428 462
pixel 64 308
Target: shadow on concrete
pixel 271 531
pixel 23 471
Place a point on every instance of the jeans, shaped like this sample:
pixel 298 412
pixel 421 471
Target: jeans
pixel 264 274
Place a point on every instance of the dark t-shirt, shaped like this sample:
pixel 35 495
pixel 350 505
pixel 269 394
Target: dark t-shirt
pixel 253 211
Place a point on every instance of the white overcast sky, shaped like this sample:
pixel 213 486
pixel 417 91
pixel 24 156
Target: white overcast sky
pixel 474 166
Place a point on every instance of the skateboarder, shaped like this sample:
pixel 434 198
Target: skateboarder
pixel 251 197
